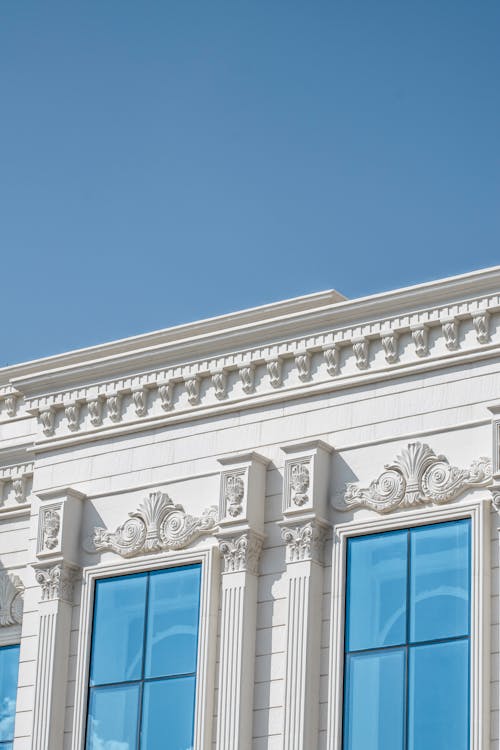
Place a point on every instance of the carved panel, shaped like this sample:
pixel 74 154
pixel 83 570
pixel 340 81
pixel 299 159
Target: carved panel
pixel 11 599
pixel 232 492
pixel 415 477
pixel 49 528
pixel 297 481
pixel 157 525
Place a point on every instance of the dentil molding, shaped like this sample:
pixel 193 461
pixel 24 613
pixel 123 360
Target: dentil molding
pixel 417 476
pixel 11 599
pixel 157 525
pixel 343 354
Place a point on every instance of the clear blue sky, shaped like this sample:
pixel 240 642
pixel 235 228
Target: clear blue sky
pixel 170 160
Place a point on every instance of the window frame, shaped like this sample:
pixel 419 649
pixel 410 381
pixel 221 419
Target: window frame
pixel 479 513
pixel 207 631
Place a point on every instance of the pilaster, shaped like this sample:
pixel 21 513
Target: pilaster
pixel 241 506
pixel 304 530
pixel 56 567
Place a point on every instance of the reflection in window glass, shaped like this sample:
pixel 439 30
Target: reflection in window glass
pixel 407 639
pixel 9 668
pixel 143 661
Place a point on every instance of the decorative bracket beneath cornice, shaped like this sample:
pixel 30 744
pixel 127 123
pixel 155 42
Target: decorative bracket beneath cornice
pixel 157 525
pixel 416 476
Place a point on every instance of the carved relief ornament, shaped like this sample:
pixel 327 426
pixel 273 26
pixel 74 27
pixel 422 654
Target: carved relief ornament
pixel 416 476
pixel 56 582
pixel 304 542
pixel 158 524
pixel 11 599
pixel 241 553
pixel 233 492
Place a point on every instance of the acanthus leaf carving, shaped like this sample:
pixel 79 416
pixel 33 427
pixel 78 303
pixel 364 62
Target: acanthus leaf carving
pixel 219 380
pixel 72 414
pixel 332 359
pixel 481 326
pixel 247 377
pixel 420 336
pixel 450 333
pixel 360 348
pixel 417 476
pixel 304 542
pixel 11 405
pixel 166 392
pixel 95 411
pixel 303 362
pixel 241 553
pixel 390 346
pixel 274 368
pixel 56 582
pixel 115 407
pixel 48 418
pixel 157 525
pixel 11 599
pixel 193 389
pixel 140 399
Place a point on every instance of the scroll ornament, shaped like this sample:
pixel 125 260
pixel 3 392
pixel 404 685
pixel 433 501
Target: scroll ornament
pixel 417 476
pixel 11 599
pixel 157 525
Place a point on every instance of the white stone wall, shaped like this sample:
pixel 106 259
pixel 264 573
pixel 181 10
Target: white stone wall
pixel 367 417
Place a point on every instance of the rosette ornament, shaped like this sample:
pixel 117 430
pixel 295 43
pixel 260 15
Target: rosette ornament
pixel 417 476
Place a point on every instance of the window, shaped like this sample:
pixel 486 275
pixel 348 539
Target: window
pixel 9 668
pixel 144 661
pixel 407 632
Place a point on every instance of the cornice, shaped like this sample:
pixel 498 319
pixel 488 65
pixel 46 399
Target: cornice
pixel 249 358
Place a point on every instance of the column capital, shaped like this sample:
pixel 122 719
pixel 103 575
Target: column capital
pixel 304 539
pixel 56 580
pixel 241 552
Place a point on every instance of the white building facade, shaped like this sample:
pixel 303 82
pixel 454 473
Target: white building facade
pixel 272 530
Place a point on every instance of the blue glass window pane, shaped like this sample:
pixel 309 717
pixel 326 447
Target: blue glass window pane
pixel 439 696
pixel 375 697
pixel 439 585
pixel 173 611
pixel 9 668
pixel 168 714
pixel 376 590
pixel 118 635
pixel 113 717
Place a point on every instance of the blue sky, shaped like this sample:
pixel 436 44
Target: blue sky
pixel 163 161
